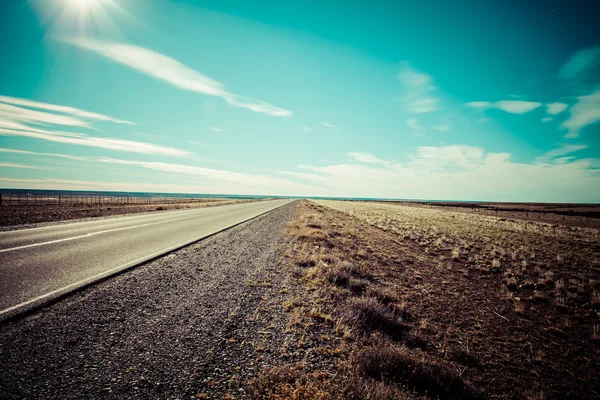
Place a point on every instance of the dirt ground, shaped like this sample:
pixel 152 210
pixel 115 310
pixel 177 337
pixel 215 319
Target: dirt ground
pixel 331 300
pixel 577 215
pixel 477 323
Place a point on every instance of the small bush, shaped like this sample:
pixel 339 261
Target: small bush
pixel 370 315
pixel 385 296
pixel 338 277
pixel 357 286
pixel 416 370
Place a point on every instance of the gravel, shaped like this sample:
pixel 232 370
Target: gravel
pixel 197 323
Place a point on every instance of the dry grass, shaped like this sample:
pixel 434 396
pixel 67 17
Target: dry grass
pixel 475 303
pixel 415 370
pixel 369 315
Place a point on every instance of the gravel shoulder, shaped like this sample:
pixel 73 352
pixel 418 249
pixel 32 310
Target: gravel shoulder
pixel 198 323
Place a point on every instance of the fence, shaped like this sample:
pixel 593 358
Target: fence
pixel 15 199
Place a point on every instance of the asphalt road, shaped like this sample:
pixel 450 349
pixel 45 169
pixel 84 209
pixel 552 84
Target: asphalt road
pixel 39 264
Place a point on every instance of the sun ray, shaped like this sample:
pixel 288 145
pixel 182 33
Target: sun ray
pixel 82 17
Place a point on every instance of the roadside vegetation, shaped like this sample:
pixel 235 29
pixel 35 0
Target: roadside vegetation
pixel 396 302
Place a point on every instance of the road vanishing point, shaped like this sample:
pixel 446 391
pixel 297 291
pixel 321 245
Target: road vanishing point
pixel 40 265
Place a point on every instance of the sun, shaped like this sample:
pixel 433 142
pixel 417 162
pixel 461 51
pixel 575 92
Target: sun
pixel 70 18
pixel 84 3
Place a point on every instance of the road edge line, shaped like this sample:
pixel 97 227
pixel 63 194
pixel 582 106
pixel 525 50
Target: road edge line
pixel 28 307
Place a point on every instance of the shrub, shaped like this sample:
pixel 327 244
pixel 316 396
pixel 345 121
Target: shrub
pixel 370 315
pixel 416 370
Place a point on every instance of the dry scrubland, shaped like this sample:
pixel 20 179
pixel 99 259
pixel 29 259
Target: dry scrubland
pixel 411 302
pixel 14 215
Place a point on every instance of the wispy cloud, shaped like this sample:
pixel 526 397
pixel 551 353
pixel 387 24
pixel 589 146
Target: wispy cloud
pixel 441 128
pixel 11 165
pixel 559 153
pixel 556 108
pixel 197 143
pixel 366 158
pixel 413 123
pixel 583 113
pixel 306 129
pixel 175 73
pixel 72 111
pixel 418 89
pixel 232 181
pixel 210 128
pixel 582 65
pixel 34 153
pixel 105 143
pixel 510 106
pixel 16 120
pixel 329 125
pixel 546 119
pixel 150 135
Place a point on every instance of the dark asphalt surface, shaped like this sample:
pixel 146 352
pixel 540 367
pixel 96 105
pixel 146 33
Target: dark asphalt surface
pixel 197 323
pixel 37 264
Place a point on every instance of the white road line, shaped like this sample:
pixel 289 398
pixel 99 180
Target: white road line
pixel 105 274
pixel 82 282
pixel 26 246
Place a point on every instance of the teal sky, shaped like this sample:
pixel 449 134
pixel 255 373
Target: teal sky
pixel 458 100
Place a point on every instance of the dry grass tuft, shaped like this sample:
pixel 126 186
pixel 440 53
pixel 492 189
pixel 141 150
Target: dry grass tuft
pixel 370 315
pixel 414 369
pixel 289 382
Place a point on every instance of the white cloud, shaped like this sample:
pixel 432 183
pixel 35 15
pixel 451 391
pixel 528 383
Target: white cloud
pixel 24 115
pixel 105 143
pixel 441 127
pixel 366 158
pixel 464 173
pixel 306 129
pixel 67 156
pixel 328 125
pixel 172 71
pixel 413 123
pixel 60 109
pixel 11 165
pixel 556 108
pixel 410 76
pixel 151 135
pixel 198 143
pixel 582 64
pixel 19 121
pixel 560 152
pixel 583 113
pixel 418 90
pixel 210 128
pixel 510 106
pixel 546 119
pixel 227 181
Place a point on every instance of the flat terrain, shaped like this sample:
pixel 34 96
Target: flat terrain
pixel 194 324
pixel 580 215
pixel 15 216
pixel 43 261
pixel 331 300
pixel 499 308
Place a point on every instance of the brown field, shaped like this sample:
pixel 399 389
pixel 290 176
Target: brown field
pixel 14 215
pixel 582 215
pixel 418 302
